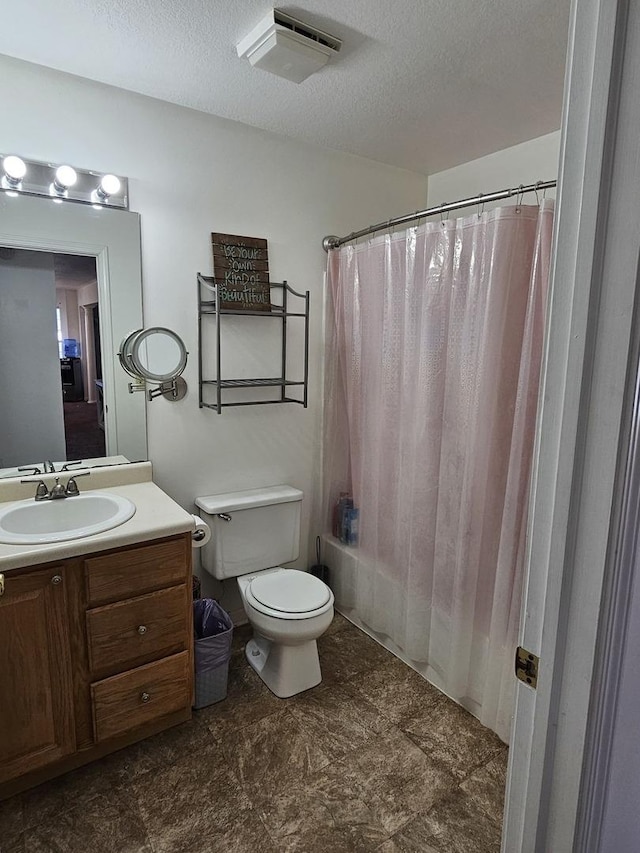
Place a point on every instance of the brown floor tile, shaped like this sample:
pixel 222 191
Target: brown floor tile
pixel 241 636
pixel 157 751
pixel 72 791
pixel 272 753
pixel 453 737
pixel 330 812
pixel 246 835
pixel 337 719
pixel 454 825
pixel 397 845
pixel 127 764
pixel 106 824
pixel 339 624
pixel 373 759
pixel 186 805
pixel 248 701
pixel 396 690
pixel 486 786
pixel 11 820
pixel 347 653
pixel 13 845
pixel 400 781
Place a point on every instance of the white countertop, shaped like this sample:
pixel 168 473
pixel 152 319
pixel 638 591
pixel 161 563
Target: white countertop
pixel 156 516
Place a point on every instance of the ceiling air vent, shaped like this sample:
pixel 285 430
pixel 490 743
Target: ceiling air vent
pixel 287 47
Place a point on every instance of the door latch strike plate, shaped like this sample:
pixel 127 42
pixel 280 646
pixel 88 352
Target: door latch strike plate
pixel 1 584
pixel 527 667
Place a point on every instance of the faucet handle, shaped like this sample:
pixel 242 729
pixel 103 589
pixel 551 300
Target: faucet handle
pixel 67 465
pixel 33 469
pixel 42 492
pixel 72 487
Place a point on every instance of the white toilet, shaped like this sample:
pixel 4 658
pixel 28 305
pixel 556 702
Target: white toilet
pixel 252 533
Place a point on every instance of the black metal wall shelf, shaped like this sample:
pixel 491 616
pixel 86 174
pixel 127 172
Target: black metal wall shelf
pixel 207 305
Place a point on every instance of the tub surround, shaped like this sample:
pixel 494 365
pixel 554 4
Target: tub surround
pixel 157 515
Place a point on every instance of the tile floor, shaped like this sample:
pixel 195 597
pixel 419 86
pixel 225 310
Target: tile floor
pixel 374 759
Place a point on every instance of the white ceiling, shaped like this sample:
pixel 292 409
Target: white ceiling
pixel 421 84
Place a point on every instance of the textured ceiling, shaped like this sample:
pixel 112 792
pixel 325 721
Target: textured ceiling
pixel 422 84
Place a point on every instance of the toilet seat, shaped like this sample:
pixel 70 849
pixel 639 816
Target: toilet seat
pixel 289 594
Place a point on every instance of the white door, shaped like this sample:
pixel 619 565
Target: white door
pixel 584 422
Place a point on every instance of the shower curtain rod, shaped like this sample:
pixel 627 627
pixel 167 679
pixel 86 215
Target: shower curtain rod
pixel 333 242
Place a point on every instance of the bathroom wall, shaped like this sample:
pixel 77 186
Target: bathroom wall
pixel 87 295
pixel 191 174
pixel 31 425
pixel 67 298
pixel 531 161
pixel 621 818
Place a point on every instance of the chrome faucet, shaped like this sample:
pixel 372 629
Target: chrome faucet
pixel 58 491
pixel 48 467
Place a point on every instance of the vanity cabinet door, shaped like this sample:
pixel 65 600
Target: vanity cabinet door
pixel 36 696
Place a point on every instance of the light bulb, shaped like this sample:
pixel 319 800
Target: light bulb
pixel 14 171
pixel 15 168
pixel 66 177
pixel 109 185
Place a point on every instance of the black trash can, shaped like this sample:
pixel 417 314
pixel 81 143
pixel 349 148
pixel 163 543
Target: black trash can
pixel 213 630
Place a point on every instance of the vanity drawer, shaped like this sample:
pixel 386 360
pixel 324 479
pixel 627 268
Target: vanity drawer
pixel 133 632
pixel 124 702
pixel 133 571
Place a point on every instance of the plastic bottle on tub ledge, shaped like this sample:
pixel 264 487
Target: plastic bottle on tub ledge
pixel 351 525
pixel 344 521
pixel 337 518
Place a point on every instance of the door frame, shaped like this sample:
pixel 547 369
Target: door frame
pixel 583 428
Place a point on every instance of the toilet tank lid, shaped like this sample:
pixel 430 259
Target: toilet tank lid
pixel 248 499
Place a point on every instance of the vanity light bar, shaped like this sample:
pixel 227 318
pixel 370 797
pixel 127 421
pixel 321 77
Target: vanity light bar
pixel 62 182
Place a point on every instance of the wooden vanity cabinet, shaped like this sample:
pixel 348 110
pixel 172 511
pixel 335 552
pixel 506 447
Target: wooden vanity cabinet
pixel 36 697
pixel 96 652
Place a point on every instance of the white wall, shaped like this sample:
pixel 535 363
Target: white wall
pixel 535 160
pixel 31 420
pixel 67 298
pixel 87 297
pixel 621 820
pixel 191 174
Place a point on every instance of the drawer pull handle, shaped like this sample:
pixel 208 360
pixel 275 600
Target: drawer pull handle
pixel 142 629
pixel 145 697
pixel 56 579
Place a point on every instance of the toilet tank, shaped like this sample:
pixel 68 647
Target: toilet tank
pixel 262 530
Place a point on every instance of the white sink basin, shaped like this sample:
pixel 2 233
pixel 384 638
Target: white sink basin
pixel 41 522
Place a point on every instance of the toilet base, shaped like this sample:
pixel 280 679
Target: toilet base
pixel 285 669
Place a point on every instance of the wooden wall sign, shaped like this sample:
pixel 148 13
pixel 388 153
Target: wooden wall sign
pixel 241 268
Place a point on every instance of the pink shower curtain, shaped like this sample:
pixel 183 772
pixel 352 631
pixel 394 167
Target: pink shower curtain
pixel 434 354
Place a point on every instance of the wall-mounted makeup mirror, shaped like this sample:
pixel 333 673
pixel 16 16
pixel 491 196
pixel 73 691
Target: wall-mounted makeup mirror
pixel 32 361
pixel 156 354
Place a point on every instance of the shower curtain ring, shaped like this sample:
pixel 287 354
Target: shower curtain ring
pixel 519 198
pixel 442 204
pixel 536 192
pixel 480 205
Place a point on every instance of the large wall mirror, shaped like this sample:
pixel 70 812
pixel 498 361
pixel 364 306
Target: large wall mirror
pixel 68 272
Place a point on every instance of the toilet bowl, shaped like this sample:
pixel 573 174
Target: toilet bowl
pixel 252 533
pixel 288 610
